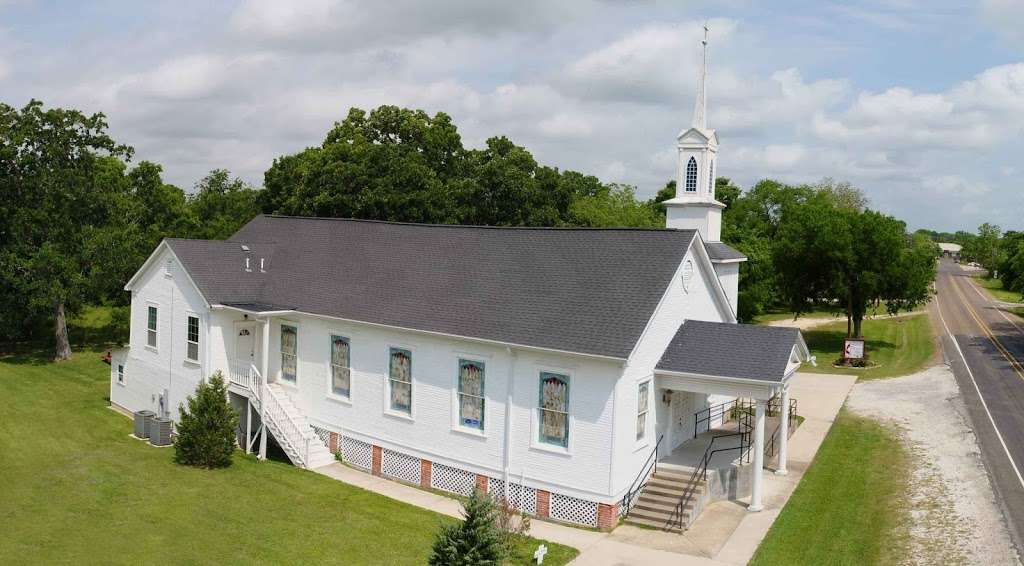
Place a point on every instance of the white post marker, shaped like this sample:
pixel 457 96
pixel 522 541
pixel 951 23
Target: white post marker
pixel 539 554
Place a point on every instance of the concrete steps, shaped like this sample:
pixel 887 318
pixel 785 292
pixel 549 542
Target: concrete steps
pixel 657 503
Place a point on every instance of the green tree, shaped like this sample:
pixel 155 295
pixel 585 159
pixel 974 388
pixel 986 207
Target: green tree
pixel 221 205
pixel 614 205
pixel 476 541
pixel 206 429
pixel 825 253
pixel 984 248
pixel 55 198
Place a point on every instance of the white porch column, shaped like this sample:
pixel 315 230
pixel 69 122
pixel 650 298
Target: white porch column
pixel 783 431
pixel 757 471
pixel 265 363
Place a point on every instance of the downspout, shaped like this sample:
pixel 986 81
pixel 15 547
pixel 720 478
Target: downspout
pixel 509 390
pixel 170 360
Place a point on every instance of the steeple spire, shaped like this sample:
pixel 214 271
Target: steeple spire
pixel 700 120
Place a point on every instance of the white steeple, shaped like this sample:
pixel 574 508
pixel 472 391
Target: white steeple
pixel 700 107
pixel 694 206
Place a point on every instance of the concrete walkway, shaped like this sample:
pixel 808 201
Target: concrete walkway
pixel 725 533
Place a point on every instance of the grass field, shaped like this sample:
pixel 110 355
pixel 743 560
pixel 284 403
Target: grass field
pixel 78 489
pixel 901 345
pixel 995 288
pixel 849 509
pixel 774 315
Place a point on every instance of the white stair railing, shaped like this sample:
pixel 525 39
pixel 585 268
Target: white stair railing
pixel 289 433
pixel 247 377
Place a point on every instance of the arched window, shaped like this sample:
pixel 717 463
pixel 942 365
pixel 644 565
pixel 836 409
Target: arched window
pixel 711 178
pixel 691 176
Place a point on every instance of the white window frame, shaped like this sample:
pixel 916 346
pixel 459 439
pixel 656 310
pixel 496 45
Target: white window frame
pixel 119 372
pixel 644 439
pixel 457 424
pixel 535 442
pixel 199 336
pixel 347 399
pixel 280 369
pixel 154 332
pixel 411 415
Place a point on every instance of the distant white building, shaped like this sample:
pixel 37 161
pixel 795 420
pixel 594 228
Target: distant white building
pixel 950 249
pixel 550 366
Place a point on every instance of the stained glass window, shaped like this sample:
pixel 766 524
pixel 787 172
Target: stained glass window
pixel 554 409
pixel 289 349
pixel 642 396
pixel 471 394
pixel 400 376
pixel 341 374
pixel 691 176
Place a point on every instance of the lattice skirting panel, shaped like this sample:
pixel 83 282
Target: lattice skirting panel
pixel 357 453
pixel 323 434
pixel 400 466
pixel 573 510
pixel 452 480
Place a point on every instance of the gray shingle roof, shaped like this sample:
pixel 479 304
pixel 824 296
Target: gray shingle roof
pixel 722 252
pixel 579 290
pixel 721 349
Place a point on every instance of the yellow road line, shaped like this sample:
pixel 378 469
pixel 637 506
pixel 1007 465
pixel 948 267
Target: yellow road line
pixel 989 299
pixel 1017 367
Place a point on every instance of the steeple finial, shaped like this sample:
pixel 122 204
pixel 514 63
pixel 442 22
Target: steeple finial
pixel 700 108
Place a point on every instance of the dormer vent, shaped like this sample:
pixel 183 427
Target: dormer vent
pixel 263 268
pixel 248 266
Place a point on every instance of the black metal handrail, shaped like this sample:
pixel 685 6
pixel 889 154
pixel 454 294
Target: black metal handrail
pixel 769 449
pixel 701 471
pixel 711 413
pixel 641 479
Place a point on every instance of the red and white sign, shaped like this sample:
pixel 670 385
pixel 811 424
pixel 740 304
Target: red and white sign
pixel 853 349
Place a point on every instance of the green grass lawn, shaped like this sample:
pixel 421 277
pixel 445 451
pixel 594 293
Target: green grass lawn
pixel 849 509
pixel 78 489
pixel 995 288
pixel 773 315
pixel 901 345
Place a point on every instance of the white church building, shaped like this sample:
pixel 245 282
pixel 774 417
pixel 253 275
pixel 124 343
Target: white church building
pixel 582 374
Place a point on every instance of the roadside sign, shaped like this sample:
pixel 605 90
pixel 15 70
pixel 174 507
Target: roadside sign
pixel 853 349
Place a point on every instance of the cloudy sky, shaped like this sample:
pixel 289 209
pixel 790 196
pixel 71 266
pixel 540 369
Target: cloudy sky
pixel 918 102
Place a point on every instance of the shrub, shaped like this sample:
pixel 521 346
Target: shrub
pixel 477 540
pixel 206 430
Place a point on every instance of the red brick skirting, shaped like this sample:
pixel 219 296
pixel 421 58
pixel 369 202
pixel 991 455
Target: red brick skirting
pixel 543 503
pixel 607 516
pixel 377 452
pixel 425 469
pixel 332 443
pixel 481 483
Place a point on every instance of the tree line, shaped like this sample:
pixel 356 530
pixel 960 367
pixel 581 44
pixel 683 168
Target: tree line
pixel 77 218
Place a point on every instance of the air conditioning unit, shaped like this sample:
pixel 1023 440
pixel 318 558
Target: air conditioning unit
pixel 161 433
pixel 142 423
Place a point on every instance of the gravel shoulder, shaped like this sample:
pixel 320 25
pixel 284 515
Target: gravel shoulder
pixel 954 518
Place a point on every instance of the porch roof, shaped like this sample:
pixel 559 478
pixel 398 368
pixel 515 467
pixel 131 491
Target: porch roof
pixel 734 351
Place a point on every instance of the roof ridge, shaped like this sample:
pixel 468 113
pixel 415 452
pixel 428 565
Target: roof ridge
pixel 482 227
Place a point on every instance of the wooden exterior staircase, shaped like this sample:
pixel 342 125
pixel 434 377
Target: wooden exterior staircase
pixel 282 418
pixel 658 504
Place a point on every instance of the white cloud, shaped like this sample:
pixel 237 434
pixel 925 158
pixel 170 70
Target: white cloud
pixel 1006 16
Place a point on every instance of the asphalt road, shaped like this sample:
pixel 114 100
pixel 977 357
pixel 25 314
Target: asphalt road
pixel 985 348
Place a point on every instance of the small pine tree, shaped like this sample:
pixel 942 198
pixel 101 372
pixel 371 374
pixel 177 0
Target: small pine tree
pixel 206 431
pixel 477 541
